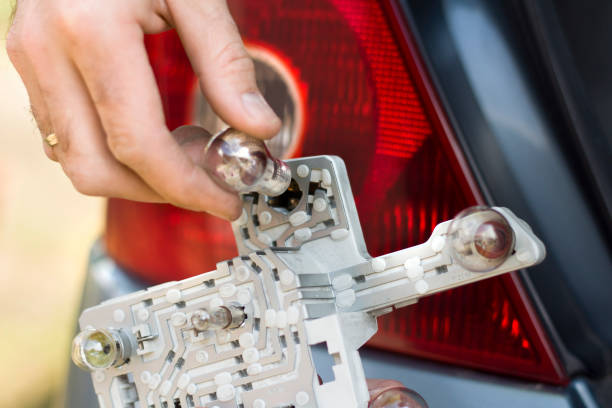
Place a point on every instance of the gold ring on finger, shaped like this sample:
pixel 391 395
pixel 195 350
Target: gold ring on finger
pixel 52 139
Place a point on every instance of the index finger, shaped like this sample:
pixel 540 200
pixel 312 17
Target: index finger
pixel 115 67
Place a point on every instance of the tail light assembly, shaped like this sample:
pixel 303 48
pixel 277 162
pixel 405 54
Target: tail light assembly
pixel 346 78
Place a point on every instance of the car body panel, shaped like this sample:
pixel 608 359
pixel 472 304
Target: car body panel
pixel 514 140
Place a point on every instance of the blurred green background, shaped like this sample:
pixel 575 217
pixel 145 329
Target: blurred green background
pixel 46 229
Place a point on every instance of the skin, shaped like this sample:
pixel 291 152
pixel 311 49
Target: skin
pixel 86 71
pixel 89 81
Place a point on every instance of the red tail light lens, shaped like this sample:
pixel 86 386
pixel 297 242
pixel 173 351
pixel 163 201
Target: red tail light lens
pixel 363 95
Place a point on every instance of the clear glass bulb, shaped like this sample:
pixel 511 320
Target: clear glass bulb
pixel 222 317
pixel 398 397
pixel 99 349
pixel 242 163
pixel 481 239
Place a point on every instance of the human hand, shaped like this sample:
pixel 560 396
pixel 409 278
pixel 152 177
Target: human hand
pixel 89 81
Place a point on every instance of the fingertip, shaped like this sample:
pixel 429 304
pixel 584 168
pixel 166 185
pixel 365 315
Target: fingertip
pixel 262 120
pixel 230 210
pixel 205 195
pixel 212 198
pixel 235 212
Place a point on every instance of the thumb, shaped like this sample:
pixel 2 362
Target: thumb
pixel 225 70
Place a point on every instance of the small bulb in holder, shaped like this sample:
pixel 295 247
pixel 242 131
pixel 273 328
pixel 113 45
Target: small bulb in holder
pixel 221 317
pixel 399 398
pixel 393 394
pixel 94 349
pixel 242 163
pixel 481 239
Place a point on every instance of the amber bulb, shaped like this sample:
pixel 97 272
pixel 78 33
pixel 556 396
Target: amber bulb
pixel 242 163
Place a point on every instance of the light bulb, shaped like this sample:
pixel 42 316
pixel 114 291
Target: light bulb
pixel 242 163
pixel 99 349
pixel 481 239
pixel 222 317
pixel 393 394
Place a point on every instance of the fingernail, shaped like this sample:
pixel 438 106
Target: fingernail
pixel 257 107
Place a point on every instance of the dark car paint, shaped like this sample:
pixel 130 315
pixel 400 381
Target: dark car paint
pixel 525 148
